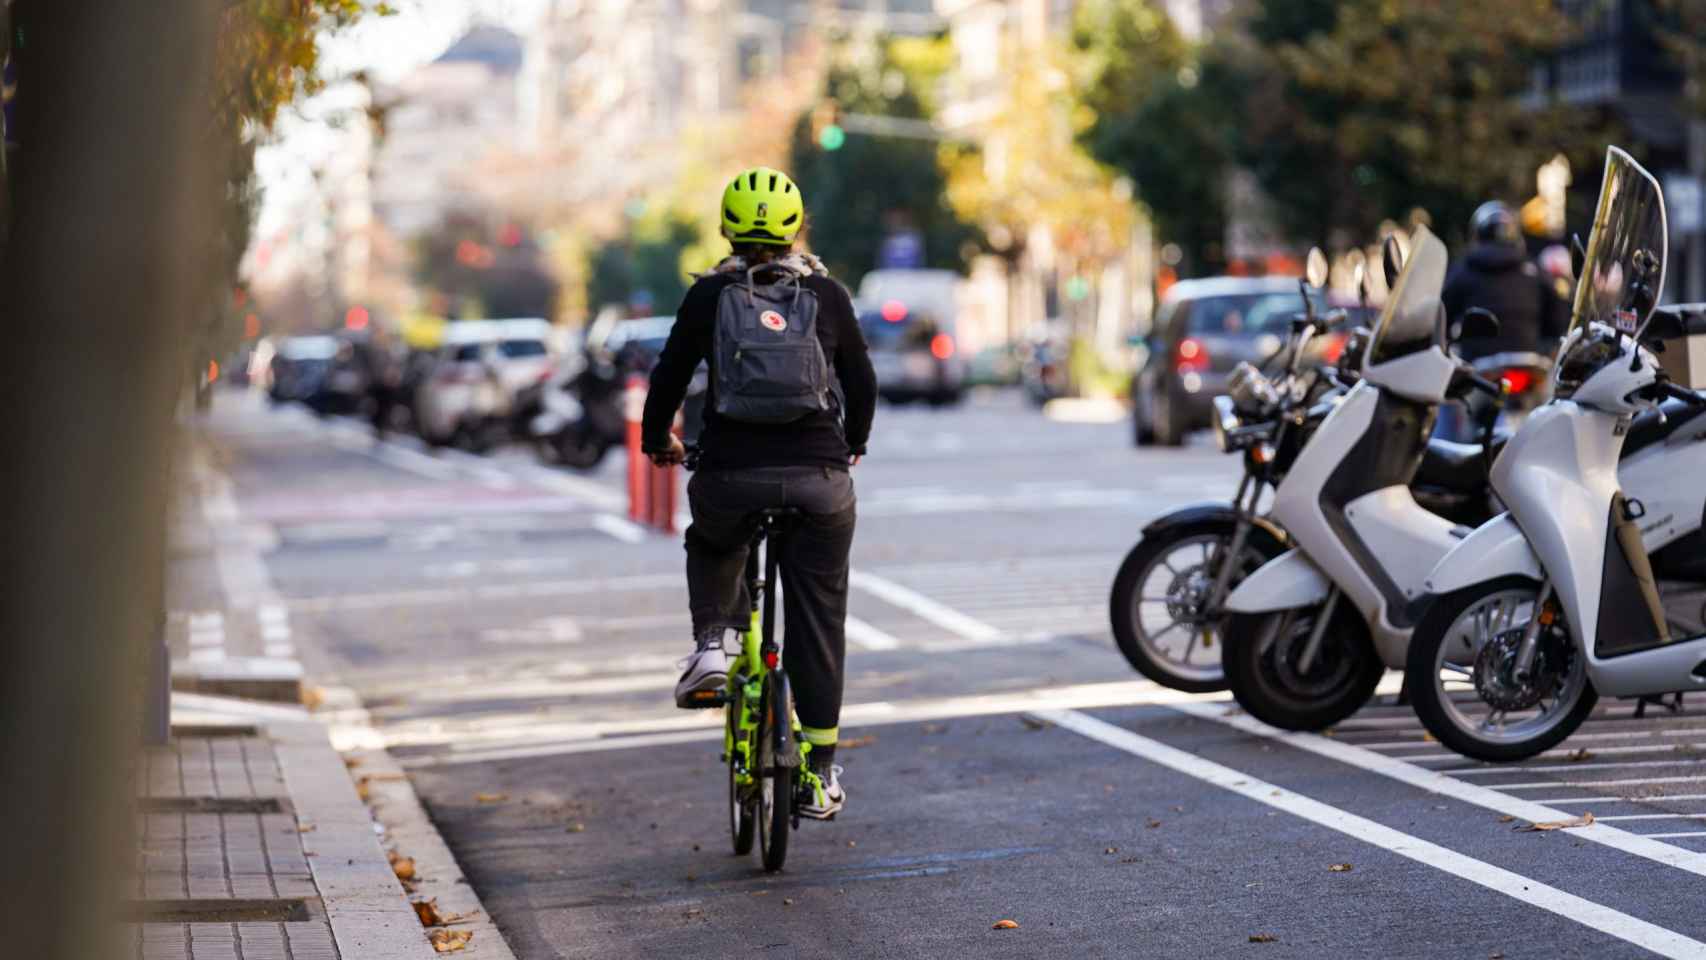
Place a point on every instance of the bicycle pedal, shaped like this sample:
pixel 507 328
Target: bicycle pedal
pixel 705 699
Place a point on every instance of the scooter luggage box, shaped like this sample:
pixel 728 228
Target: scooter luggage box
pixel 1685 359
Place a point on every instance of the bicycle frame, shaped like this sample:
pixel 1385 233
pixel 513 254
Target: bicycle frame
pixel 760 655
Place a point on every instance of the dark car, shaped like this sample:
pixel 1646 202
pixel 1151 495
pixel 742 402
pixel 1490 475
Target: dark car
pixel 299 365
pixel 1203 329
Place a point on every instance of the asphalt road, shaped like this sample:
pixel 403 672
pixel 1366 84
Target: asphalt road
pixel 513 640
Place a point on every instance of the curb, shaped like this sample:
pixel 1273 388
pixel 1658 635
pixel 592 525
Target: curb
pixel 394 805
pixel 364 902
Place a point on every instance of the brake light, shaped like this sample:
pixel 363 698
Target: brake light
pixel 941 346
pixel 1335 347
pixel 1191 355
pixel 1517 380
pixel 894 311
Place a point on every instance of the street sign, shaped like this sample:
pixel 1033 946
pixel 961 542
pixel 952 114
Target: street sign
pixel 1683 203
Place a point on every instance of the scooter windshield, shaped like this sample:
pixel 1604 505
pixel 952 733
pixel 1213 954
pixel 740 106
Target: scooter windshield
pixel 1410 321
pixel 1624 270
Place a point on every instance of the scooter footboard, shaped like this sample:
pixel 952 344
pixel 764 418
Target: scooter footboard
pixel 1496 549
pixel 1286 582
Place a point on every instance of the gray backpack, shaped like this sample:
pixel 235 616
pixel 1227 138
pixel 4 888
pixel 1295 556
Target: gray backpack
pixel 766 361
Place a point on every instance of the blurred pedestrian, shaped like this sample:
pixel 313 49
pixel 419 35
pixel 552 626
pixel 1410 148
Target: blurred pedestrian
pixel 383 370
pixel 1499 276
pixel 781 429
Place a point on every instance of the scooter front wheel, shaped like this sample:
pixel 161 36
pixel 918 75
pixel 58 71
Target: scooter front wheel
pixel 1263 654
pixel 1464 681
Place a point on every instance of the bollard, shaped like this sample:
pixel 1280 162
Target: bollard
pixel 639 468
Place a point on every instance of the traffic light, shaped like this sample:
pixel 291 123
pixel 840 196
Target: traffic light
pixel 826 125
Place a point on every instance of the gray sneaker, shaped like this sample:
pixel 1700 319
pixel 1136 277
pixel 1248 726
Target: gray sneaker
pixel 824 804
pixel 705 673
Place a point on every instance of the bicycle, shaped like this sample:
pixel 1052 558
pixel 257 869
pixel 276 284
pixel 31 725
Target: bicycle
pixel 766 758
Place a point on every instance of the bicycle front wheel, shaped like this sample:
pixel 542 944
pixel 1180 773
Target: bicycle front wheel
pixel 775 781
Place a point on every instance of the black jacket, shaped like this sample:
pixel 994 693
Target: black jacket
pixel 824 439
pixel 1505 281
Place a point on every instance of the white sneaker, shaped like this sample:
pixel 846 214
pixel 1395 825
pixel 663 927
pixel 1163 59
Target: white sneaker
pixel 705 675
pixel 825 803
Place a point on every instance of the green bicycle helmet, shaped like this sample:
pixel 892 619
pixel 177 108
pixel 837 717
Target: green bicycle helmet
pixel 762 205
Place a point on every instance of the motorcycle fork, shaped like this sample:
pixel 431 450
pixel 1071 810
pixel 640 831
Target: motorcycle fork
pixel 1524 665
pixel 1249 494
pixel 1312 646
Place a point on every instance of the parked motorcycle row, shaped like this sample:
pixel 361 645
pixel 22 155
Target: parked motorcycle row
pixel 1514 580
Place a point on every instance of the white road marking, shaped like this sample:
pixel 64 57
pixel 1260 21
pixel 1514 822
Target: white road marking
pixel 622 529
pixel 867 637
pixel 593 494
pixel 1596 916
pixel 1689 833
pixel 557 739
pixel 1683 761
pixel 1656 816
pixel 923 607
pixel 1438 783
pixel 207 637
pixel 1594 784
pixel 1613 799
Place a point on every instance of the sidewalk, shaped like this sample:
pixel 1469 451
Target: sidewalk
pixel 256 839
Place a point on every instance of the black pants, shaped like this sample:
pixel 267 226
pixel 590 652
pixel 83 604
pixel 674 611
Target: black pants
pixel 813 558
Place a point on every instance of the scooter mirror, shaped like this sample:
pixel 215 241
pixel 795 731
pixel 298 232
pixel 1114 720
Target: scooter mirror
pixel 1578 254
pixel 1316 269
pixel 1478 323
pixel 1392 259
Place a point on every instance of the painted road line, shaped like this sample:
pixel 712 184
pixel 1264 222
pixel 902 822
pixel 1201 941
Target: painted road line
pixel 1683 761
pixel 1596 916
pixel 1596 784
pixel 1557 755
pixel 1656 816
pixel 588 492
pixel 207 637
pixel 1690 833
pixel 923 607
pixel 1438 783
pixel 624 530
pixel 707 725
pixel 867 637
pixel 1612 799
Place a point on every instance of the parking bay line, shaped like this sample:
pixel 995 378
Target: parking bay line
pixel 1597 916
pixel 1472 793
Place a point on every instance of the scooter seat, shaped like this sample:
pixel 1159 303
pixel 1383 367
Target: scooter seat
pixel 1455 466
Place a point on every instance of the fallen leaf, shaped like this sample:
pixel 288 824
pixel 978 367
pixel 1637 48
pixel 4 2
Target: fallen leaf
pixel 352 762
pixel 1495 956
pixel 787 901
pixel 935 728
pixel 427 911
pixel 305 828
pixel 1584 820
pixel 577 828
pixel 490 797
pixel 1152 824
pixel 366 777
pixel 361 790
pixel 1579 756
pixel 312 697
pixel 1263 938
pixel 1506 819
pixel 852 843
pixel 1339 868
pixel 1033 723
pixel 1005 925
pixel 1112 850
pixel 855 743
pixel 1430 738
pixel 449 941
pixel 403 867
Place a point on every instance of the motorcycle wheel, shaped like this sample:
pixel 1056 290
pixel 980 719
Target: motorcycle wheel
pixel 1459 674
pixel 1161 590
pixel 1260 656
pixel 578 451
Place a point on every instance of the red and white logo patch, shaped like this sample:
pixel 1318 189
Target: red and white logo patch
pixel 773 320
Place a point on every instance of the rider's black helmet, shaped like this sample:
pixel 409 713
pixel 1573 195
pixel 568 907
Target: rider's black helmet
pixel 1496 223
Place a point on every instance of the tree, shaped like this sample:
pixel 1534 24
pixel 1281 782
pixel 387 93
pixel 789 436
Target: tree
pixel 873 186
pixel 1163 112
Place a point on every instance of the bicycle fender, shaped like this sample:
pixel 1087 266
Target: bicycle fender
pixel 1496 549
pixel 1286 582
pixel 787 747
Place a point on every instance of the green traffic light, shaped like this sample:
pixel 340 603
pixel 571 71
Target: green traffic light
pixel 832 137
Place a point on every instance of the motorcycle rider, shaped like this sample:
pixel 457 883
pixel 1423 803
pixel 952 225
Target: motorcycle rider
pixel 1497 275
pixel 749 466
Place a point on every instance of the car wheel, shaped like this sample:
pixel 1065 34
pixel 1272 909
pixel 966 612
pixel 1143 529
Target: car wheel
pixel 1142 428
pixel 1164 425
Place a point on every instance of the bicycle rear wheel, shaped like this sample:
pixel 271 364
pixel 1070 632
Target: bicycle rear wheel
pixel 775 781
pixel 742 821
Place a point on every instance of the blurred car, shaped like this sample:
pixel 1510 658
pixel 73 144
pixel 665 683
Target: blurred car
pixel 1203 329
pixel 474 379
pixel 914 354
pixel 298 366
pixel 343 388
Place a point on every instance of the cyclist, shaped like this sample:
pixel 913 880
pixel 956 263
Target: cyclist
pixel 1498 275
pixel 747 465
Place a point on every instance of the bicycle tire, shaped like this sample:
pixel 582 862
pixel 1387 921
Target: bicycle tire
pixel 743 821
pixel 776 782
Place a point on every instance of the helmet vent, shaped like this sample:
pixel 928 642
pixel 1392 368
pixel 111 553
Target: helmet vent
pixel 790 221
pixel 729 215
pixel 752 180
pixel 787 188
pixel 772 181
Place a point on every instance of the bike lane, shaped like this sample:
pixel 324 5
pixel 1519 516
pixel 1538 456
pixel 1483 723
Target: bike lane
pixel 957 823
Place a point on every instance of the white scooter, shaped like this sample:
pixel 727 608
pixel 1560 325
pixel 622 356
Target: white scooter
pixel 1580 589
pixel 1310 633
